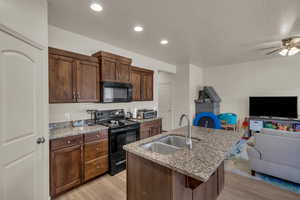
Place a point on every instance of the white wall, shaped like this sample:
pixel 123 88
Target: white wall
pixel 196 84
pixel 66 40
pixel 187 82
pixel 15 13
pixel 235 83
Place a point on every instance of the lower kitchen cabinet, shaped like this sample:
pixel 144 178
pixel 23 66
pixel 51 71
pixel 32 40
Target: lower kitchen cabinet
pixel 95 157
pixel 150 128
pixel 77 159
pixel 65 164
pixel 95 168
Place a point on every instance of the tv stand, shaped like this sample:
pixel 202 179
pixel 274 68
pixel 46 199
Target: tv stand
pixel 293 124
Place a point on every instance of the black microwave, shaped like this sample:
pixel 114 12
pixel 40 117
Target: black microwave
pixel 112 92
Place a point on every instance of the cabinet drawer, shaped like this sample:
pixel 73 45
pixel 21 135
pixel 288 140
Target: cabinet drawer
pixel 95 150
pixel 90 137
pixel 156 122
pixel 95 168
pixel 66 142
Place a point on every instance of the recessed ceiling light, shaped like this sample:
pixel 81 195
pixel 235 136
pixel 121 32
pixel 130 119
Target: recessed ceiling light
pixel 96 7
pixel 138 29
pixel 164 42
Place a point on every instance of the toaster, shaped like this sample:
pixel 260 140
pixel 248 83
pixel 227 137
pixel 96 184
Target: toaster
pixel 147 114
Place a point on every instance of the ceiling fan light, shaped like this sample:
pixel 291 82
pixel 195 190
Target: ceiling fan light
pixel 284 52
pixel 293 51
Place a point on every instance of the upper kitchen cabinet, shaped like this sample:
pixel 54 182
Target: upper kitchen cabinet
pixel 73 77
pixel 114 68
pixel 142 82
pixel 61 79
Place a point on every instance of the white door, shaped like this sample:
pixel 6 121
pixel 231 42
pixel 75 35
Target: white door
pixel 165 105
pixel 21 121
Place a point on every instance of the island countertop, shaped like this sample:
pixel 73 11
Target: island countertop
pixel 201 161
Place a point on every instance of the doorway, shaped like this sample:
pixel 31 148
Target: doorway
pixel 165 106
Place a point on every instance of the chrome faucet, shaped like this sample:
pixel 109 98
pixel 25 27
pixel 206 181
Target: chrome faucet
pixel 188 138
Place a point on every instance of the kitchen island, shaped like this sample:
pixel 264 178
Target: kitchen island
pixel 157 172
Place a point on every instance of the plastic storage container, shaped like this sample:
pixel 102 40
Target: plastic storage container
pixel 229 118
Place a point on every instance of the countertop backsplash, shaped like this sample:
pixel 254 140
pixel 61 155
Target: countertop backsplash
pixel 77 111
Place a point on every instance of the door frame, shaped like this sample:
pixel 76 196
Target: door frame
pixel 44 107
pixel 171 96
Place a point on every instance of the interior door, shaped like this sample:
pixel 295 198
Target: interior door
pixel 87 88
pixel 165 105
pixel 22 164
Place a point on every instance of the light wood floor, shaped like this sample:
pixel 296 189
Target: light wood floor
pixel 236 188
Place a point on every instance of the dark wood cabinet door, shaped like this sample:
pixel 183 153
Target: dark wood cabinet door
pixel 147 86
pixel 145 133
pixel 66 169
pixel 61 74
pixel 108 69
pixel 155 130
pixel 123 72
pixel 136 85
pixel 87 82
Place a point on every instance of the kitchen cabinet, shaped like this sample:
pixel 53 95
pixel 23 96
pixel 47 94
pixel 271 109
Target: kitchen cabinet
pixel 61 85
pixel 77 159
pixel 73 77
pixel 95 156
pixel 114 68
pixel 65 164
pixel 136 79
pixel 87 81
pixel 142 82
pixel 150 128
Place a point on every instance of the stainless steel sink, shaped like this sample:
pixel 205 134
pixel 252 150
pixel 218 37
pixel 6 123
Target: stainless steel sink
pixel 160 147
pixel 175 140
pixel 167 145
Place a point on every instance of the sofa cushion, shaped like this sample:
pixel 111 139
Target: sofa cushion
pixel 280 132
pixel 278 148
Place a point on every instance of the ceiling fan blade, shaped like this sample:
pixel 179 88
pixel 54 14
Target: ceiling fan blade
pixel 274 51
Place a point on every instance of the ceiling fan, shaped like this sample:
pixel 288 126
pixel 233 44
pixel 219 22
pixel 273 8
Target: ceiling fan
pixel 289 46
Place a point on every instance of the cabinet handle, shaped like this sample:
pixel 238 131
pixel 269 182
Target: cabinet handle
pixel 68 142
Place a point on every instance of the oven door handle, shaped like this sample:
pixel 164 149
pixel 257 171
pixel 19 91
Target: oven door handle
pixel 123 129
pixel 120 162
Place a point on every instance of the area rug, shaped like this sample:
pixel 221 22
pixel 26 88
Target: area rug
pixel 238 163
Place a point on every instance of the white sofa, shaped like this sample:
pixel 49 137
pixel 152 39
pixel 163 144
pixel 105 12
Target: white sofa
pixel 276 153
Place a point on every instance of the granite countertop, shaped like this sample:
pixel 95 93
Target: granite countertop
pixel 201 162
pixel 71 131
pixel 145 120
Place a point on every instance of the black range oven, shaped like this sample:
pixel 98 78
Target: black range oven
pixel 120 133
pixel 118 138
pixel 112 92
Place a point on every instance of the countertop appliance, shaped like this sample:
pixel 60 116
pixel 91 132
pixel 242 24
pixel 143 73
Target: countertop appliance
pixel 112 92
pixel 146 114
pixel 121 132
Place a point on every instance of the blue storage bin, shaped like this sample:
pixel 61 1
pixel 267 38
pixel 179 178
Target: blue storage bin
pixel 230 118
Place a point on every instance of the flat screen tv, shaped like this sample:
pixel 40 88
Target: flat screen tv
pixel 286 107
